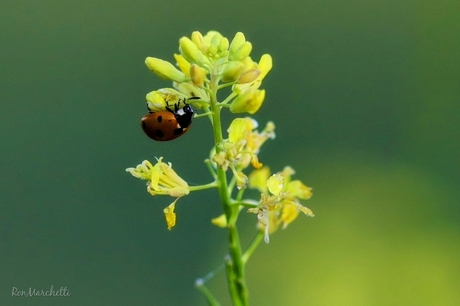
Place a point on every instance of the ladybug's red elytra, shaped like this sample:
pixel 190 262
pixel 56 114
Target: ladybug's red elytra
pixel 169 124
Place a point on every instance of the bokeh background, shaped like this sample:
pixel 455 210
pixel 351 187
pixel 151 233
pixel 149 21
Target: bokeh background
pixel 365 96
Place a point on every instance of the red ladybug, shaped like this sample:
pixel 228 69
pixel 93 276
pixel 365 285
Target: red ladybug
pixel 168 125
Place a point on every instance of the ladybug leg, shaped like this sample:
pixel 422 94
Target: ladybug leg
pixel 168 108
pixel 176 107
pixel 150 111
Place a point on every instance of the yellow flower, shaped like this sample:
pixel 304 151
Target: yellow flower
pixel 280 204
pixel 248 102
pixel 242 145
pixel 162 179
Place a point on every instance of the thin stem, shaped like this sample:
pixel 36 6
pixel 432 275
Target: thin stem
pixel 239 196
pixel 207 293
pixel 229 98
pixel 255 242
pixel 244 204
pixel 225 85
pixel 202 115
pixel 231 282
pixel 210 168
pixel 202 187
pixel 235 266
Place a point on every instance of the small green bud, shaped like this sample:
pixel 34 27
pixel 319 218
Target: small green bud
pixel 212 51
pixel 223 46
pixel 216 39
pixel 232 71
pixel 165 69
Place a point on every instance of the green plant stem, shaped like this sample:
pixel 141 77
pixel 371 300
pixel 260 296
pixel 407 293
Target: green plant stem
pixel 202 187
pixel 252 247
pixel 207 293
pixel 235 266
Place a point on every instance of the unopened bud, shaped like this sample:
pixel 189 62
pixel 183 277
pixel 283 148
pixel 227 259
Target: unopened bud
pixel 165 69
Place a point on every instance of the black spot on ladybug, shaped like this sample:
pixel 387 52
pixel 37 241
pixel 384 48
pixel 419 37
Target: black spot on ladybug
pixel 159 134
pixel 178 131
pixel 160 118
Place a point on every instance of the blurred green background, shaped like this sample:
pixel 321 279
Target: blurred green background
pixel 365 96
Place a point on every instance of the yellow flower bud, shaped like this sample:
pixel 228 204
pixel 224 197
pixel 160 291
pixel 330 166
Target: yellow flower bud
pixel 183 65
pixel 236 43
pixel 170 215
pixel 197 74
pixel 220 221
pixel 197 38
pixel 216 39
pixel 165 69
pixel 242 52
pixel 249 102
pixel 232 71
pixel 241 179
pixel 189 50
pixel 248 76
pixel 223 46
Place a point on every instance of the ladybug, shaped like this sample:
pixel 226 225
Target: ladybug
pixel 168 124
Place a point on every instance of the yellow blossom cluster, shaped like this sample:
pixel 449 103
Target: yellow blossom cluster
pixel 207 59
pixel 279 203
pixel 241 147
